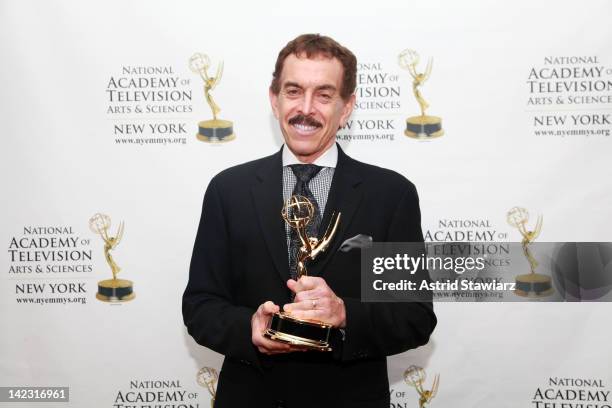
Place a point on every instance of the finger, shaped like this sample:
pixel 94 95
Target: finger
pixel 269 308
pixel 292 348
pixel 270 345
pixel 316 314
pixel 309 282
pixel 291 307
pixel 291 284
pixel 266 351
pixel 271 352
pixel 275 350
pixel 275 347
pixel 308 304
pixel 296 286
pixel 307 294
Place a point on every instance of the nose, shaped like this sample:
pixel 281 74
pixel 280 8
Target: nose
pixel 307 104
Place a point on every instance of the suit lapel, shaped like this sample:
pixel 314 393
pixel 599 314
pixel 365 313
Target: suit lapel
pixel 344 196
pixel 268 200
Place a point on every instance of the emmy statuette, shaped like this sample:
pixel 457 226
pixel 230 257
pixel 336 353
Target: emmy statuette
pixel 415 376
pixel 111 290
pixel 214 130
pixel 298 212
pixel 532 284
pixel 208 378
pixel 423 126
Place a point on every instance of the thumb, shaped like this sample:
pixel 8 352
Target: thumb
pixel 270 308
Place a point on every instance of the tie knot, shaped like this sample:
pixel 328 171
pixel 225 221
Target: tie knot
pixel 305 172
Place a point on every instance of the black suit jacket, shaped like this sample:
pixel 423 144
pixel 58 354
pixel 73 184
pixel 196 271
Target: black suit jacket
pixel 240 261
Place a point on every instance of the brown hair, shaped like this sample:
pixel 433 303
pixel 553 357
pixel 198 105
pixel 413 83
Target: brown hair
pixel 314 45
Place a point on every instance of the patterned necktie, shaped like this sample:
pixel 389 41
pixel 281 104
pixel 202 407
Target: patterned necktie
pixel 303 173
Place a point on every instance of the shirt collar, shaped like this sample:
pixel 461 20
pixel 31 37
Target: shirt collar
pixel 327 159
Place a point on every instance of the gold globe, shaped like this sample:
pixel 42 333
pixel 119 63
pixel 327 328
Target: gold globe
pixel 517 216
pixel 208 377
pixel 414 375
pixel 99 223
pixel 298 211
pixel 407 58
pixel 199 62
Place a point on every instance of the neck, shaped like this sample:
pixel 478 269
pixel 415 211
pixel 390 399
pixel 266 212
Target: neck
pixel 308 159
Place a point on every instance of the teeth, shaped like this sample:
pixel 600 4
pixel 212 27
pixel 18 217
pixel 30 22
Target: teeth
pixel 305 128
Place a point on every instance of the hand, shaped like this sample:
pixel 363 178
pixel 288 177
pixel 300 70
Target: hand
pixel 259 323
pixel 314 300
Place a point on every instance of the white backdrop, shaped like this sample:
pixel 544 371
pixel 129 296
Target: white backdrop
pixel 64 160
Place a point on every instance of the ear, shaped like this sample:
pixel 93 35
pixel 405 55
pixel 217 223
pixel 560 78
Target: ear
pixel 273 102
pixel 347 109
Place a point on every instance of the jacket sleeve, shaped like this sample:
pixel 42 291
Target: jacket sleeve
pixel 209 310
pixel 382 329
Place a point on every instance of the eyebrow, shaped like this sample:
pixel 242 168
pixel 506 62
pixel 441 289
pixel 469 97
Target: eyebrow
pixel 326 87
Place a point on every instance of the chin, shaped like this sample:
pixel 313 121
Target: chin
pixel 302 147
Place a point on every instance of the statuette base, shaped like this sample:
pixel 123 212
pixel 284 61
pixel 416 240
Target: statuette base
pixel 533 285
pixel 311 334
pixel 424 127
pixel 115 290
pixel 215 131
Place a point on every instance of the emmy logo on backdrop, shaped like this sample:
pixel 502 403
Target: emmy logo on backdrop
pixel 111 290
pixel 423 126
pixel 208 378
pixel 214 130
pixel 532 284
pixel 298 212
pixel 416 376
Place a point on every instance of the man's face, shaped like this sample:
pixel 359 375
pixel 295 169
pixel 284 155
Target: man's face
pixel 308 106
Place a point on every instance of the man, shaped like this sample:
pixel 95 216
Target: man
pixel 240 269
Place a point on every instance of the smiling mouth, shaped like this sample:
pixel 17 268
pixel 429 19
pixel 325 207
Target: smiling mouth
pixel 304 125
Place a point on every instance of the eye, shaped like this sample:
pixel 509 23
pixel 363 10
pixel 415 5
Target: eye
pixel 325 96
pixel 292 91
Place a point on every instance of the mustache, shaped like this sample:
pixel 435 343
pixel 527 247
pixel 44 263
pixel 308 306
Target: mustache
pixel 304 120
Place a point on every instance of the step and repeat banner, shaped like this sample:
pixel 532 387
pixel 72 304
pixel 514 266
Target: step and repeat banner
pixel 499 112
